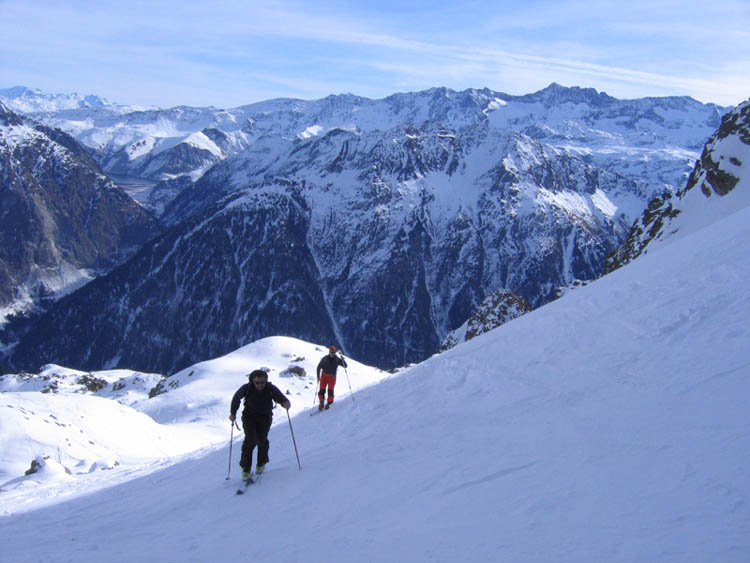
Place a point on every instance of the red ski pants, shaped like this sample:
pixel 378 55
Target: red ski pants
pixel 329 381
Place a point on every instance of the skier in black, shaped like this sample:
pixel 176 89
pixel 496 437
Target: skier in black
pixel 259 395
pixel 327 375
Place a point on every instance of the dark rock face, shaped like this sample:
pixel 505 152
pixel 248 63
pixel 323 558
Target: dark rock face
pixel 210 286
pixel 649 227
pixel 177 160
pixel 60 214
pixel 717 170
pixel 497 309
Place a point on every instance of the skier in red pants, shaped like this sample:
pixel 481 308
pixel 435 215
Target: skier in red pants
pixel 327 375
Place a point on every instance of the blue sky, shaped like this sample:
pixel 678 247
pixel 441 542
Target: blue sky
pixel 229 53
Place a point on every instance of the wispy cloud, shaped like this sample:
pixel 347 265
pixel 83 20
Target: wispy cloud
pixel 229 52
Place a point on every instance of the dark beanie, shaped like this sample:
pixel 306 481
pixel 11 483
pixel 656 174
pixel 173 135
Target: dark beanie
pixel 258 373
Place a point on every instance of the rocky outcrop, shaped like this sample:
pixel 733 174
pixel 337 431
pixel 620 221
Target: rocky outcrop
pixel 497 309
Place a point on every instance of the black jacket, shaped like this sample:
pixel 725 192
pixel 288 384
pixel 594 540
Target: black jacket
pixel 257 401
pixel 330 364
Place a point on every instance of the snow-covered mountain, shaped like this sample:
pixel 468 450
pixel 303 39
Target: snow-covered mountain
pixel 381 224
pixel 608 425
pixel 34 101
pixel 62 220
pixel 722 169
pixel 384 249
pixel 653 140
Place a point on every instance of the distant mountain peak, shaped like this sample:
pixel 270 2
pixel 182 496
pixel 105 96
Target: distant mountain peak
pixel 558 94
pixel 33 100
pixel 18 91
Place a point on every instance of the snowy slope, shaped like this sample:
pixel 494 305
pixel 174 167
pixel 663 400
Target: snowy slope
pixel 609 425
pixel 82 434
pixel 62 414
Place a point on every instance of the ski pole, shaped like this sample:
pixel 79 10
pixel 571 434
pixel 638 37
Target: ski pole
pixel 231 441
pixel 293 440
pixel 315 396
pixel 351 394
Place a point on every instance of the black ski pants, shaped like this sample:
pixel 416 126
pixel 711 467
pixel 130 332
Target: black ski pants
pixel 256 428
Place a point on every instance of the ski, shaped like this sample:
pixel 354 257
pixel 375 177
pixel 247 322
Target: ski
pixel 245 484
